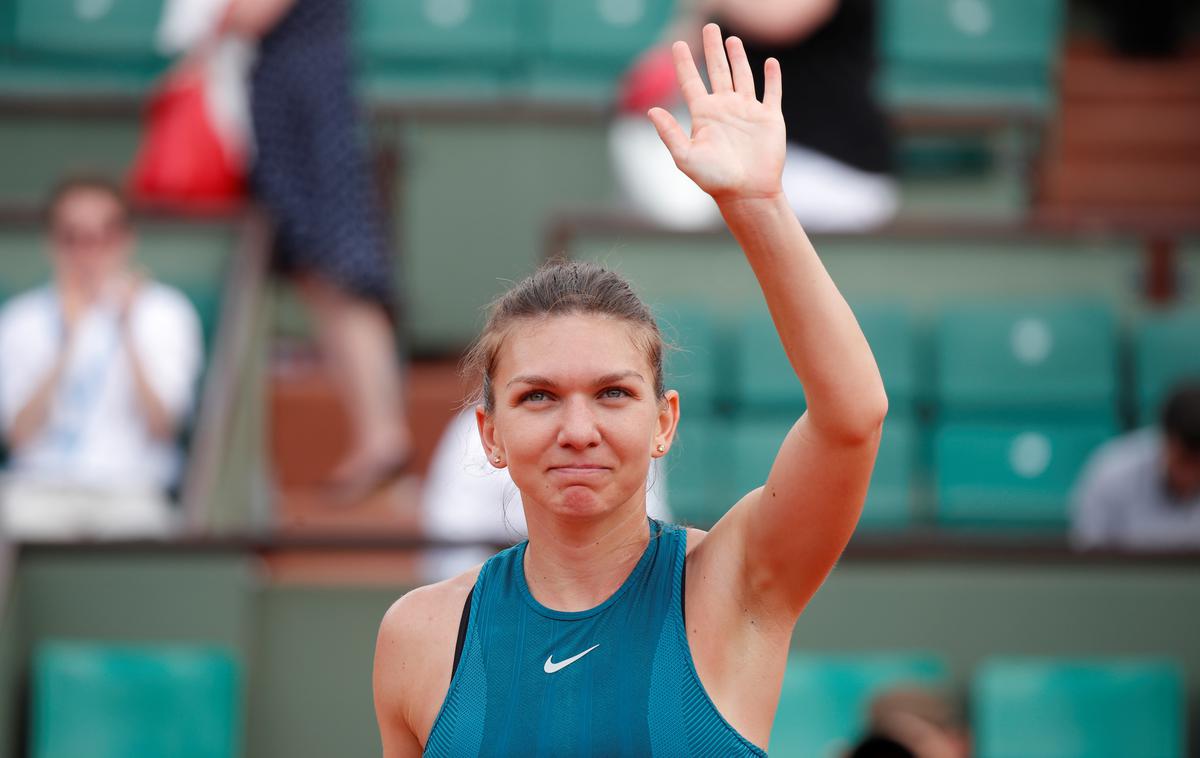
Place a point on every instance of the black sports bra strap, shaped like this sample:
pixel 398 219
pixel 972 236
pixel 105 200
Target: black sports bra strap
pixel 462 632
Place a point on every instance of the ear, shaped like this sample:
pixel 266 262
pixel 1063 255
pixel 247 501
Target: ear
pixel 668 420
pixel 487 434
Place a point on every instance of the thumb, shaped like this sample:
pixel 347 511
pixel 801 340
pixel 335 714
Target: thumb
pixel 671 133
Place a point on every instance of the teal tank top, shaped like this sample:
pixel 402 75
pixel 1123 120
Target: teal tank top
pixel 615 680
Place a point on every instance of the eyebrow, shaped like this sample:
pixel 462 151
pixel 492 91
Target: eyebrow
pixel 550 383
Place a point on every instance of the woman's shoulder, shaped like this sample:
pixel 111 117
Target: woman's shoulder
pixel 420 614
pixel 414 651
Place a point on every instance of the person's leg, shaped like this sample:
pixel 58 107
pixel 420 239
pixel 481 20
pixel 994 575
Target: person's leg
pixel 356 340
pixel 650 181
pixel 830 196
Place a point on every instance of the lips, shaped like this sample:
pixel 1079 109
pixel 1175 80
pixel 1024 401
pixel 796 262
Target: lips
pixel 580 469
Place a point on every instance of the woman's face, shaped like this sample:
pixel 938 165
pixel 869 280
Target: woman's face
pixel 576 419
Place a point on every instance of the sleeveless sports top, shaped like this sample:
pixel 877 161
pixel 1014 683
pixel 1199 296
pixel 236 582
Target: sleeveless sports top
pixel 615 680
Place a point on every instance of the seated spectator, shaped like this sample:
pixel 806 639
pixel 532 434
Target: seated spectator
pixel 1141 491
pixel 466 498
pixel 910 722
pixel 97 373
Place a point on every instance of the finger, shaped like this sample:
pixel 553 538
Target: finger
pixel 714 58
pixel 739 64
pixel 670 132
pixel 772 84
pixel 686 74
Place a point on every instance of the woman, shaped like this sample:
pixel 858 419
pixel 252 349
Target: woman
pixel 591 637
pixel 312 176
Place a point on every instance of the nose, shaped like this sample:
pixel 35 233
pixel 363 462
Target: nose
pixel 578 428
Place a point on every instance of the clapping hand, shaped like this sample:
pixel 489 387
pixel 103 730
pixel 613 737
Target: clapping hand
pixel 737 146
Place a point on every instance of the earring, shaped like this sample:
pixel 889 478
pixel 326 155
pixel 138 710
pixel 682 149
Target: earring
pixel 662 449
pixel 496 459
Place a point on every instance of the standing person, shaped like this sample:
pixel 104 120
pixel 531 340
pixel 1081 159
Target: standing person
pixel 97 375
pixel 575 641
pixel 311 174
pixel 838 173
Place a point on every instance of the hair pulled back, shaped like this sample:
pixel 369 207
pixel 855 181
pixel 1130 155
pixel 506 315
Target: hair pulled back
pixel 561 288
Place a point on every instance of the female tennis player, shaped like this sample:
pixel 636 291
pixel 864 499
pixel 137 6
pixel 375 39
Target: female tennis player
pixel 608 633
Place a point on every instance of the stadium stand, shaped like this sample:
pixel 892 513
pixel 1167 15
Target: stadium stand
pixel 1047 708
pixel 112 702
pixel 823 707
pixel 70 88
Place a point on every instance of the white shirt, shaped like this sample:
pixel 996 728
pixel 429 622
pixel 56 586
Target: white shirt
pixel 95 434
pixel 1121 500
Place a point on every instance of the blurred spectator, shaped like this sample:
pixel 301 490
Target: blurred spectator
pixel 839 162
pixel 311 174
pixel 97 374
pixel 1141 491
pixel 909 722
pixel 466 498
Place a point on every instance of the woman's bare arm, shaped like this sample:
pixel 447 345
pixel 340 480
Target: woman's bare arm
pixel 789 533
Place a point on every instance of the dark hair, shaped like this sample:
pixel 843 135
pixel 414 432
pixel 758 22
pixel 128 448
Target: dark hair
pixel 85 182
pixel 562 288
pixel 877 746
pixel 1181 414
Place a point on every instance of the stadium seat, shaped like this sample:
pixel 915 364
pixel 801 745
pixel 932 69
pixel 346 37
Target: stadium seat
pixel 1010 475
pixel 889 501
pixel 969 53
pixel 892 334
pixel 118 29
pixel 439 48
pixel 693 359
pixel 754 443
pixel 106 701
pixel 1020 361
pixel 698 491
pixel 1046 708
pixel 1167 350
pixel 823 706
pixel 580 49
pixel 764 380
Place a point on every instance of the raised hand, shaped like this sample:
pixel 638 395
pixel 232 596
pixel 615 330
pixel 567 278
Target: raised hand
pixel 736 149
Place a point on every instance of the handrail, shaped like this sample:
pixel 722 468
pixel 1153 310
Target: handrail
pixel 232 348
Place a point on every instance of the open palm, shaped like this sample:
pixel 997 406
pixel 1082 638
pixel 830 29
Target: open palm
pixel 737 147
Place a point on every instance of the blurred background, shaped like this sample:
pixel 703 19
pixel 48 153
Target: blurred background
pixel 1028 275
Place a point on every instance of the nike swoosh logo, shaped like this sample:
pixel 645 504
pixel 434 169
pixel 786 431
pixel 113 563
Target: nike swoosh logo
pixel 551 666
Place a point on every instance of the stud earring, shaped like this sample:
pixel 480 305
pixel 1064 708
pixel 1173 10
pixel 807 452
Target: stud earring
pixel 496 459
pixel 662 449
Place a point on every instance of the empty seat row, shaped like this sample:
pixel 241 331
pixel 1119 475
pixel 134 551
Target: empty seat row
pixel 1021 396
pixel 991 52
pixel 106 701
pixel 1048 360
pixel 1019 707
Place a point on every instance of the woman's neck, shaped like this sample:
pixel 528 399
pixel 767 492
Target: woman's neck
pixel 574 566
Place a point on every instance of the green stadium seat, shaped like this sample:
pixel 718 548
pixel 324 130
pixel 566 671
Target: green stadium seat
pixel 116 29
pixel 764 379
pixel 1167 350
pixel 891 332
pixel 114 702
pixel 439 48
pixel 823 705
pixel 1047 708
pixel 1010 475
pixel 693 361
pixel 1028 360
pixel 889 501
pixel 755 442
pixel 580 49
pixel 697 485
pixel 970 53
